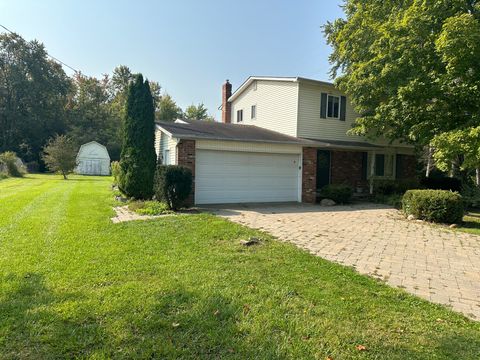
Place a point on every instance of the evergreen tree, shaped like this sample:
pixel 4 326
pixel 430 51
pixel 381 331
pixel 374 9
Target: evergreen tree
pixel 138 159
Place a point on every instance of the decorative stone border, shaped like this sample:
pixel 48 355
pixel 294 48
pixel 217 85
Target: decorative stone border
pixel 123 214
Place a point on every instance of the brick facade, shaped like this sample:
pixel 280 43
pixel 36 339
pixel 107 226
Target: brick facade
pixel 346 168
pixel 408 167
pixel 186 157
pixel 309 175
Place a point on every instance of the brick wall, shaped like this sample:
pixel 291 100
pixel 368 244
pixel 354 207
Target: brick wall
pixel 309 175
pixel 408 168
pixel 186 157
pixel 346 168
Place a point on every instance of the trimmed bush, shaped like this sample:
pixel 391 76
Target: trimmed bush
pixel 440 206
pixel 172 185
pixel 115 167
pixel 341 194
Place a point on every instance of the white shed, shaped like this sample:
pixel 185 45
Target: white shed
pixel 93 159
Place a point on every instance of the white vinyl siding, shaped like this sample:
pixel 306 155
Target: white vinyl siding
pixel 276 105
pixel 165 145
pixel 310 125
pixel 247 147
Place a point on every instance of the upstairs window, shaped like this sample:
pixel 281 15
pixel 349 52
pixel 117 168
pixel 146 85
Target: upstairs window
pixel 239 116
pixel 253 112
pixel 333 107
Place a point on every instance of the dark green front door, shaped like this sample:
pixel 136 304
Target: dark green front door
pixel 323 168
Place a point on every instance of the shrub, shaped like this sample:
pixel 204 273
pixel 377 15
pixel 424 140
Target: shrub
pixel 11 164
pixel 390 187
pixel 115 167
pixel 173 185
pixel 441 182
pixel 149 207
pixel 439 206
pixel 341 194
pixel 471 196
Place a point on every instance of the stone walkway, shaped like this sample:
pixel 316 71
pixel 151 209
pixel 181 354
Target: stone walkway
pixel 437 264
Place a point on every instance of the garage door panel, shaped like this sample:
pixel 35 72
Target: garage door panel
pixel 231 177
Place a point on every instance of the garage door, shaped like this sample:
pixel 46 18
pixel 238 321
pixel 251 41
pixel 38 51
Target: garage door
pixel 240 177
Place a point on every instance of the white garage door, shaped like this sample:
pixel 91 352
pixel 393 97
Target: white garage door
pixel 236 177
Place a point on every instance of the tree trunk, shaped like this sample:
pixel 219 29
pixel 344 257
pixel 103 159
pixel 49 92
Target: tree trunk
pixel 429 162
pixel 64 175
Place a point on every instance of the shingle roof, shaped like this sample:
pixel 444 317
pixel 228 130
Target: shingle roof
pixel 210 130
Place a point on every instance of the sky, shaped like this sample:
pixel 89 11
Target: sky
pixel 189 46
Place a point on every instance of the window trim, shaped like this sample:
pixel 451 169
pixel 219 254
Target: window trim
pixel 339 106
pixel 240 111
pixel 253 112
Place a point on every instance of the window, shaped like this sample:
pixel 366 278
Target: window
pixel 239 116
pixel 253 113
pixel 166 157
pixel 333 107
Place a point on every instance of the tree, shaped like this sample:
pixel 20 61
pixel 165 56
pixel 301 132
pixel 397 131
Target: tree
pixel 33 97
pixel 409 67
pixel 92 114
pixel 198 112
pixel 460 147
pixel 137 160
pixel 60 155
pixel 168 109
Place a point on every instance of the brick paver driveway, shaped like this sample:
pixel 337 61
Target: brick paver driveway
pixel 437 264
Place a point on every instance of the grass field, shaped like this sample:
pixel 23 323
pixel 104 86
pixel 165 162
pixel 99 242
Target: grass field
pixel 72 284
pixel 471 222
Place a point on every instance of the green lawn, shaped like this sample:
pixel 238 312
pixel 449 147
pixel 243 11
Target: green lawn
pixel 75 285
pixel 471 222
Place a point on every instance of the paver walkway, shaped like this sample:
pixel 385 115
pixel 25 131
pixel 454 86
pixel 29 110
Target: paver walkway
pixel 437 264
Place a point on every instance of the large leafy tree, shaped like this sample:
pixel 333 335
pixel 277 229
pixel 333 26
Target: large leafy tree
pixel 137 161
pixel 197 112
pixel 93 115
pixel 33 97
pixel 168 110
pixel 410 67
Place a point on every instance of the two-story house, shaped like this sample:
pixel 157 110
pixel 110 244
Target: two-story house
pixel 280 139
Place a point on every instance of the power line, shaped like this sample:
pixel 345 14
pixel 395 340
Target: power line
pixel 50 56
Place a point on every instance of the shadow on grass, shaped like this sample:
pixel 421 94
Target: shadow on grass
pixel 32 326
pixel 38 323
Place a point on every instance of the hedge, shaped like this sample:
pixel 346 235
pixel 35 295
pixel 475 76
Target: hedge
pixel 440 206
pixel 341 194
pixel 172 185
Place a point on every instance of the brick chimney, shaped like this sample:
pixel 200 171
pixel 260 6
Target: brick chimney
pixel 226 106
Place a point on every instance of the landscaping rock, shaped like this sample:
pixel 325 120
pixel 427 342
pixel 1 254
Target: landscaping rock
pixel 327 202
pixel 411 217
pixel 121 199
pixel 250 242
pixel 453 226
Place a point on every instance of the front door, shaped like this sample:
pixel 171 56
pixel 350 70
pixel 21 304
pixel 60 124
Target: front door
pixel 323 168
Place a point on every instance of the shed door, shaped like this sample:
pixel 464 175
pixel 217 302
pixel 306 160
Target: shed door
pixel 242 177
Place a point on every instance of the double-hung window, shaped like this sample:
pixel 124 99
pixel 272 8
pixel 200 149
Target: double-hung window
pixel 333 107
pixel 239 116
